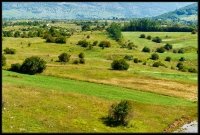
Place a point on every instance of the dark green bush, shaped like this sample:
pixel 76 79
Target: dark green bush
pixel 75 62
pixel 95 43
pixel 160 50
pixel 168 58
pixel 88 36
pixel 146 49
pixel 149 37
pixel 3 60
pixel 192 70
pixel 33 65
pixel 9 50
pixel 82 61
pixel 182 59
pixel 154 56
pixel 168 46
pixel 142 36
pixel 16 67
pixel 181 50
pixel 60 40
pixel 81 55
pixel 156 64
pixel 119 113
pixel 193 32
pixel 104 44
pixel 175 51
pixel 157 40
pixel 180 65
pixel 136 60
pixel 120 64
pixel 128 57
pixel 64 57
pixel 83 43
pixel 50 39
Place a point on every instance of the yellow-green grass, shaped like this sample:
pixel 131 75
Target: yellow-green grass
pixel 40 103
pixel 98 61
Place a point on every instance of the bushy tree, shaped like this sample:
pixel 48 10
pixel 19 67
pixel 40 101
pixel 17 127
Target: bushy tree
pixel 180 65
pixel 160 50
pixel 146 49
pixel 156 64
pixel 182 59
pixel 82 61
pixel 120 64
pixel 193 32
pixel 83 43
pixel 154 56
pixel 9 50
pixel 81 55
pixel 16 67
pixel 75 62
pixel 181 50
pixel 33 65
pixel 64 57
pixel 142 36
pixel 157 40
pixel 3 60
pixel 168 58
pixel 136 60
pixel 115 31
pixel 95 43
pixel 149 37
pixel 61 40
pixel 104 44
pixel 119 113
pixel 168 46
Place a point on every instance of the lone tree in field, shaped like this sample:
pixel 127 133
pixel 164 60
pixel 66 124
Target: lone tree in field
pixel 3 60
pixel 64 57
pixel 119 114
pixel 33 65
pixel 115 31
pixel 120 65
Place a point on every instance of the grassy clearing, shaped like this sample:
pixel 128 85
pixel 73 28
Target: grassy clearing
pixel 99 90
pixel 49 104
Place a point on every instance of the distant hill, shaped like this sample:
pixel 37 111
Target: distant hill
pixel 187 13
pixel 84 10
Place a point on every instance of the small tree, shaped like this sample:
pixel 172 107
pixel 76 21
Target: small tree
pixel 33 65
pixel 3 60
pixel 120 65
pixel 82 61
pixel 160 50
pixel 180 66
pixel 146 49
pixel 75 62
pixel 154 56
pixel 95 43
pixel 83 43
pixel 61 40
pixel 193 32
pixel 181 50
pixel 168 46
pixel 136 60
pixel 168 58
pixel 64 57
pixel 142 36
pixel 119 113
pixel 157 40
pixel 182 59
pixel 104 44
pixel 149 37
pixel 156 64
pixel 81 55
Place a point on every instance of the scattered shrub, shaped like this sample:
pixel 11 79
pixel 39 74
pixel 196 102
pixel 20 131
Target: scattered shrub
pixel 160 50
pixel 33 65
pixel 128 57
pixel 88 36
pixel 95 43
pixel 181 50
pixel 144 63
pixel 9 50
pixel 193 32
pixel 156 64
pixel 3 60
pixel 81 55
pixel 154 56
pixel 182 59
pixel 157 40
pixel 142 36
pixel 75 62
pixel 146 49
pixel 29 44
pixel 104 44
pixel 16 67
pixel 82 61
pixel 136 60
pixel 180 66
pixel 192 70
pixel 168 46
pixel 149 37
pixel 64 57
pixel 168 58
pixel 60 40
pixel 83 43
pixel 120 65
pixel 119 113
pixel 175 51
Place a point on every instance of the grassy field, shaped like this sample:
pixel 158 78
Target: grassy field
pixel 75 98
pixel 49 104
